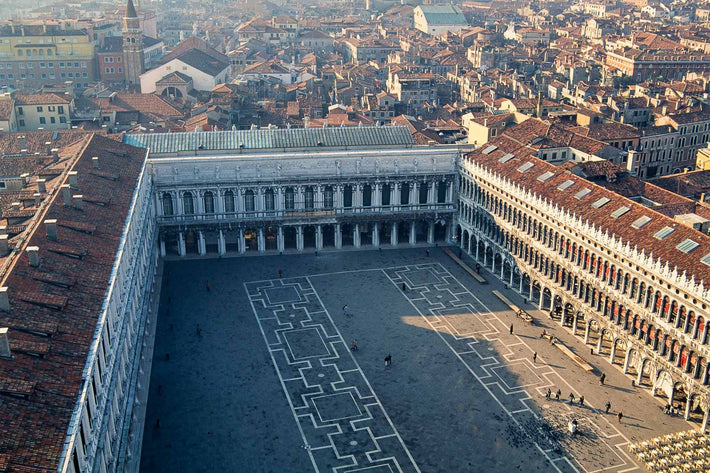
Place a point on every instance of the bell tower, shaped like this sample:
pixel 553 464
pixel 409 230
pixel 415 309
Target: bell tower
pixel 132 45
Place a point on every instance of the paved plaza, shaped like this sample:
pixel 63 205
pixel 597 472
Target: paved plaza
pixel 268 382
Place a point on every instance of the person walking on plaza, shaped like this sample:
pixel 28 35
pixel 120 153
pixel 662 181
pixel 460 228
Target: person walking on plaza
pixel 281 272
pixel 404 287
pixel 602 378
pixel 345 310
pixel 534 357
pixel 353 345
pixel 427 252
pixel 548 393
pixel 620 416
pixel 511 329
pixel 607 406
pixel 581 400
pixel 388 360
pixel 558 394
pixel 571 398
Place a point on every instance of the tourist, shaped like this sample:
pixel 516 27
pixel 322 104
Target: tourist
pixel 345 310
pixel 388 360
pixel 511 329
pixel 581 400
pixel 558 394
pixel 571 398
pixel 607 406
pixel 207 286
pixel 281 272
pixel 534 357
pixel 602 378
pixel 353 345
pixel 620 416
pixel 548 393
pixel 427 252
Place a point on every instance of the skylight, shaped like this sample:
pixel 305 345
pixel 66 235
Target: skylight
pixel 583 193
pixel 620 211
pixel 545 176
pixel 706 259
pixel 663 232
pixel 687 245
pixel 506 158
pixel 489 149
pixel 640 222
pixel 526 167
pixel 601 203
pixel 565 185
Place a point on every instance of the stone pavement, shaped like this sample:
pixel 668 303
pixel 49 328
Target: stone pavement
pixel 271 385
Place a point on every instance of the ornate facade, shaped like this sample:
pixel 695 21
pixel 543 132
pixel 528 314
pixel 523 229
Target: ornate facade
pixel 627 279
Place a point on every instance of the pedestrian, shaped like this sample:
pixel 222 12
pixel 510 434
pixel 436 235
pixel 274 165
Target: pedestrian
pixel 548 394
pixel 620 416
pixel 633 383
pixel 607 406
pixel 581 400
pixel 544 332
pixel 571 398
pixel 199 330
pixel 427 252
pixel 602 378
pixel 157 423
pixel 345 310
pixel 534 357
pixel 511 329
pixel 591 351
pixel 258 291
pixel 281 272
pixel 404 287
pixel 353 345
pixel 388 360
pixel 207 286
pixel 167 357
pixel 558 394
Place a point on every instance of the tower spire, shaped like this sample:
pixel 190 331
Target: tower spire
pixel 131 10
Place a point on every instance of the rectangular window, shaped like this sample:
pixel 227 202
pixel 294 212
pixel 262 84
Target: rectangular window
pixel 22 123
pixel 52 120
pixel 39 109
pixel 601 203
pixel 62 119
pixel 687 245
pixel 663 233
pixel 42 120
pixel 60 109
pixel 20 111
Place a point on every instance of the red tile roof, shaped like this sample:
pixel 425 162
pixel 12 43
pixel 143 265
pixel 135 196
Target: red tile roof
pixel 52 325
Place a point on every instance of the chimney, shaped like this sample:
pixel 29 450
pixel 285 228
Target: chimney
pixel 15 206
pixel 95 161
pixel 38 198
pixel 4 300
pixel 4 245
pixel 702 197
pixel 42 185
pixel 33 255
pixel 48 147
pixel 51 226
pixel 79 202
pixel 66 194
pixel 55 155
pixel 4 344
pixel 74 179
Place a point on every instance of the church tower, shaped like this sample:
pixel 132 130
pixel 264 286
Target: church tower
pixel 132 45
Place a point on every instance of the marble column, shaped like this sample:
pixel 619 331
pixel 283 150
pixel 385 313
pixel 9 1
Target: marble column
pixel 162 247
pixel 221 244
pixel 201 246
pixel 242 243
pixel 261 241
pixel 356 235
pixel 375 234
pixel 394 240
pixel 431 196
pixel 181 244
pixel 319 237
pixel 586 332
pixel 430 233
pixel 413 233
pixel 338 236
pixel 280 239
pixel 299 238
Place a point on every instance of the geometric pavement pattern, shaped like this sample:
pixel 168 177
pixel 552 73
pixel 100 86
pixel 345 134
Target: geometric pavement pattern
pixel 449 308
pixel 343 425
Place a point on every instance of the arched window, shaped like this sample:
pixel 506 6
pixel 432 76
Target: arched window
pixel 367 195
pixel 208 199
pixel 404 194
pixel 441 192
pixel 386 192
pixel 289 199
pixel 188 203
pixel 229 201
pixel 249 200
pixel 328 197
pixel 310 204
pixel 167 204
pixel 423 192
pixel 269 200
pixel 347 197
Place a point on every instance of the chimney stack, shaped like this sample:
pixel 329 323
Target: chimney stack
pixel 33 255
pixel 66 194
pixel 95 161
pixel 15 206
pixel 38 198
pixel 79 202
pixel 48 147
pixel 4 300
pixel 4 245
pixel 4 344
pixel 55 155
pixel 51 226
pixel 74 179
pixel 42 185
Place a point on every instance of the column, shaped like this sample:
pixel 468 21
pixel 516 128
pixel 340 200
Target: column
pixel 221 244
pixel 512 273
pixel 396 194
pixel 280 239
pixel 412 193
pixel 319 237
pixel 706 416
pixel 338 197
pixel 640 377
pixel 299 238
pixel 394 241
pixel 357 197
pixel 430 233
pixel 493 265
pixel 627 360
pixel 431 197
pixel 575 321
pixel 242 243
pixel 521 284
pixel 181 244
pixel 530 294
pixel 686 416
pixel 613 352
pixel 542 292
pixel 586 332
pixel 375 234
pixel 413 233
pixel 356 235
pixel 261 241
pixel 377 195
pixel 477 245
pixel 449 191
pixel 279 200
pixel 338 236
pixel 300 200
pixel 599 343
pixel 201 247
pixel 318 197
pixel 162 247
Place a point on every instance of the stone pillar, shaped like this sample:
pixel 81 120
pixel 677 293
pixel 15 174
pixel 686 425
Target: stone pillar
pixel 430 233
pixel 521 284
pixel 261 241
pixel 375 234
pixel 394 240
pixel 493 265
pixel 696 325
pixel 686 416
pixel 299 238
pixel 531 289
pixel 356 235
pixel 377 195
pixel 706 416
pixel 477 245
pixel 613 352
pixel 512 274
pixel 181 244
pixel 242 243
pixel 599 343
pixel 586 332
pixel 201 247
pixel 338 236
pixel 413 233
pixel 319 237
pixel 449 191
pixel 640 377
pixel 221 244
pixel 413 198
pixel 162 247
pixel 280 239
pixel 357 197
pixel 318 197
pixel 575 321
pixel 431 196
pixel 396 194
pixel 542 292
pixel 705 333
pixel 627 360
